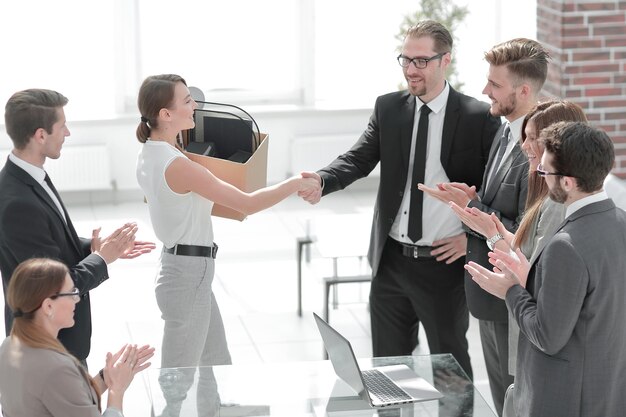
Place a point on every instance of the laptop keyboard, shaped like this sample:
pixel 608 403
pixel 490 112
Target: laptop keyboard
pixel 382 387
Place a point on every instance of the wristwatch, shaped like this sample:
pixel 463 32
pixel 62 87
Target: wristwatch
pixel 492 240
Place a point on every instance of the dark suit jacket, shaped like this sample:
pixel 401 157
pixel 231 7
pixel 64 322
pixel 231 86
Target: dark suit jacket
pixel 505 196
pixel 572 356
pixel 31 226
pixel 467 135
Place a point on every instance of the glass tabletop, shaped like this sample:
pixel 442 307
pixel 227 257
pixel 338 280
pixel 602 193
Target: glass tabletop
pixel 304 389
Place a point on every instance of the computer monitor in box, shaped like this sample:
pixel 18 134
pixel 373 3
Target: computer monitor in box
pixel 232 135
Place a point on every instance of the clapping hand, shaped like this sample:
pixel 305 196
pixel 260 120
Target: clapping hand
pixel 116 244
pixel 139 248
pixel 122 366
pixel 516 263
pixel 495 283
pixel 459 193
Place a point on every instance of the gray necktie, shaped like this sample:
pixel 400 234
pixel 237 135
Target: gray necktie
pixel 504 141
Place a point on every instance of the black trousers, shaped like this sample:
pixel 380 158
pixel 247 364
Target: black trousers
pixel 405 289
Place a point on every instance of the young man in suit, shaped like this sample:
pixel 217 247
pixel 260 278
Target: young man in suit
pixel 33 219
pixel 517 71
pixel 571 301
pixel 417 245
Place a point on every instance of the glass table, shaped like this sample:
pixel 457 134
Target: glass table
pixel 304 389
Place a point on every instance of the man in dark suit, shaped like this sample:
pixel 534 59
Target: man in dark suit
pixel 33 219
pixel 517 72
pixel 417 247
pixel 571 301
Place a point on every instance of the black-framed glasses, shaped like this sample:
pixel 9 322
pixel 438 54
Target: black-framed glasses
pixel 75 294
pixel 420 63
pixel 543 173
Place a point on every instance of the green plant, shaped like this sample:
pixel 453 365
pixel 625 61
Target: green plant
pixel 448 14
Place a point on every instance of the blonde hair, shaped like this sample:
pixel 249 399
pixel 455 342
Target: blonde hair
pixel 526 60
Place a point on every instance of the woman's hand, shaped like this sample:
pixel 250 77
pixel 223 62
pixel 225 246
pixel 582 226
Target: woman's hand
pixel 476 220
pixel 509 237
pixel 118 371
pixel 144 353
pixel 309 187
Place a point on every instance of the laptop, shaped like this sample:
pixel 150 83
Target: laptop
pixel 381 386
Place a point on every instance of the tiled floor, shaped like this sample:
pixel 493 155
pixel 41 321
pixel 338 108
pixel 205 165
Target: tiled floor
pixel 255 285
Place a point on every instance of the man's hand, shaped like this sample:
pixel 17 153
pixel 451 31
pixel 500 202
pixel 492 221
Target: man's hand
pixel 450 249
pixel 314 195
pixel 516 263
pixel 460 194
pixel 116 244
pixel 493 282
pixel 96 241
pixel 139 248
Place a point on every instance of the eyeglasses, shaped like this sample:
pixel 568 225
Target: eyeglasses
pixel 419 63
pixel 541 172
pixel 75 294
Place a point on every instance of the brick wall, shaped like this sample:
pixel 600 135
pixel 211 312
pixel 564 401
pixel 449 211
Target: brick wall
pixel 587 41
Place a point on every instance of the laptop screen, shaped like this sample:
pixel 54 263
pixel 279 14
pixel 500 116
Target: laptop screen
pixel 341 355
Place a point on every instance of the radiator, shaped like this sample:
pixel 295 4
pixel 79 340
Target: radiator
pixel 81 168
pixel 310 153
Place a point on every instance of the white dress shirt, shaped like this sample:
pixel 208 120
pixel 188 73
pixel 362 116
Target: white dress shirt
pixel 438 220
pixel 38 175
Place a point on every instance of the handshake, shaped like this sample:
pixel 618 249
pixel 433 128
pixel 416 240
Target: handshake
pixel 310 187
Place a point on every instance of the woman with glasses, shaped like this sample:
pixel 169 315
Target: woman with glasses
pixel 38 376
pixel 542 215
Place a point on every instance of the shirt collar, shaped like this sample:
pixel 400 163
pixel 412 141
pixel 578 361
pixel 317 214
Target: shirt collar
pixel 34 171
pixel 585 201
pixel 516 128
pixel 436 104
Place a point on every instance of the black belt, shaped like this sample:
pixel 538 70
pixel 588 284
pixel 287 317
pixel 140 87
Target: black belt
pixel 412 251
pixel 193 250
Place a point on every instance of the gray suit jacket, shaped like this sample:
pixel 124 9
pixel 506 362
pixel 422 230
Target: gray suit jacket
pixel 550 218
pixel 572 355
pixel 505 196
pixel 44 383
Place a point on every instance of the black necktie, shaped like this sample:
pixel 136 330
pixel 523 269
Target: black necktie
pixel 64 215
pixel 419 167
pixel 56 194
pixel 504 141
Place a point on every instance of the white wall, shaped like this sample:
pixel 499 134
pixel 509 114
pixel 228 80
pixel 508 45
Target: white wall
pixel 283 125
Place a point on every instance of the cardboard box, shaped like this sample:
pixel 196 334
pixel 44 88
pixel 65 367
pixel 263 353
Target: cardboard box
pixel 248 177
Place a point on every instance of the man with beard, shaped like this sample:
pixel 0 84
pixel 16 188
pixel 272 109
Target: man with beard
pixel 517 71
pixel 570 301
pixel 429 132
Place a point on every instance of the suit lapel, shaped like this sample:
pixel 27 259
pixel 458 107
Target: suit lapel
pixel 603 205
pixel 406 121
pixel 498 176
pixel 490 161
pixel 451 119
pixel 38 190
